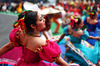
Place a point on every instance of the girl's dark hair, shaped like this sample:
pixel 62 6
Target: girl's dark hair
pixel 79 21
pixel 21 15
pixel 30 18
pixel 95 7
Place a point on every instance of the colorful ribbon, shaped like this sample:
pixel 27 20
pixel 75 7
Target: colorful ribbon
pixel 73 21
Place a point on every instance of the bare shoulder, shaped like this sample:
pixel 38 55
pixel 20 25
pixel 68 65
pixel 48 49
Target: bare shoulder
pixel 81 32
pixel 39 41
pixel 35 42
pixel 88 19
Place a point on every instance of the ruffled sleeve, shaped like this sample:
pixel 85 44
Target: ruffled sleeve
pixel 14 37
pixel 85 35
pixel 98 24
pixel 50 52
pixel 65 30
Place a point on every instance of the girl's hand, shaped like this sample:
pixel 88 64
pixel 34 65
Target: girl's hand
pixel 98 38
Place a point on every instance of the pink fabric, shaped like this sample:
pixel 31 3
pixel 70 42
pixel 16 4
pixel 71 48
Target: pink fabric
pixel 16 53
pixel 28 57
pixel 51 51
pixel 13 38
pixel 75 12
pixel 48 52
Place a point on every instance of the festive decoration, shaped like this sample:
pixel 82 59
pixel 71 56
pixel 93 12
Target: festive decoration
pixel 15 24
pixel 35 35
pixel 20 22
pixel 92 13
pixel 70 47
pixel 22 25
pixel 73 20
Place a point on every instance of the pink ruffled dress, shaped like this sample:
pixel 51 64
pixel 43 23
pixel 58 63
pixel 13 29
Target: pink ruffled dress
pixel 48 52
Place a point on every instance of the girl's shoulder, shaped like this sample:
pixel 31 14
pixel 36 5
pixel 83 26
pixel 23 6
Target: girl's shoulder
pixel 35 42
pixel 89 21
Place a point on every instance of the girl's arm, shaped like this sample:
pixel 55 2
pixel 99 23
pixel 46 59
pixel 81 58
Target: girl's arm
pixel 71 32
pixel 61 37
pixel 92 37
pixel 6 48
pixel 45 35
pixel 61 62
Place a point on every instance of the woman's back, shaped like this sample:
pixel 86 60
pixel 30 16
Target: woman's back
pixel 31 42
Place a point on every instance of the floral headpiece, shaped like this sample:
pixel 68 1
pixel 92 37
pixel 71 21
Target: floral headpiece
pixel 92 13
pixel 73 20
pixel 21 23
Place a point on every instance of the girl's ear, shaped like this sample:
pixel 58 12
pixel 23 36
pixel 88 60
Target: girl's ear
pixel 32 26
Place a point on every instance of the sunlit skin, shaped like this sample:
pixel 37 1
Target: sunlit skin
pixel 40 22
pixel 81 24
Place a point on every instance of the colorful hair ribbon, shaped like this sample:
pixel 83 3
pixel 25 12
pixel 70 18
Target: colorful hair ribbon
pixel 92 13
pixel 22 25
pixel 15 24
pixel 73 21
pixel 27 11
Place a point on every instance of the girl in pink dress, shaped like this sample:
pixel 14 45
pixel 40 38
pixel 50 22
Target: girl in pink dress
pixel 34 48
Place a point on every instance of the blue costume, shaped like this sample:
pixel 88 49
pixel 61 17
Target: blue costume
pixel 91 28
pixel 92 54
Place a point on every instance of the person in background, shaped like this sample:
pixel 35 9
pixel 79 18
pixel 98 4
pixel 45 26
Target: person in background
pixel 56 16
pixel 46 31
pixel 66 20
pixel 26 34
pixel 76 35
pixel 92 22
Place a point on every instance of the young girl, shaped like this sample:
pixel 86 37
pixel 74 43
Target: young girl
pixel 34 48
pixel 76 40
pixel 92 22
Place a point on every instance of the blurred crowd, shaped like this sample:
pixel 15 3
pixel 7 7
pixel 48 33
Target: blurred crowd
pixel 67 6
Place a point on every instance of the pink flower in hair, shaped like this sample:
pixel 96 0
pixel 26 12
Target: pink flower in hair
pixel 73 21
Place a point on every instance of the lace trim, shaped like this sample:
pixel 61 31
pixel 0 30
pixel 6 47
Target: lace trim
pixel 39 48
pixel 35 50
pixel 12 42
pixel 55 59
